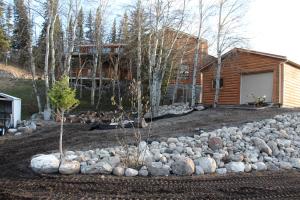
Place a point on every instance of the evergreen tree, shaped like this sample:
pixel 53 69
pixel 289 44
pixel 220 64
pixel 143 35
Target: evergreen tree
pixel 80 29
pixel 2 5
pixel 113 36
pixel 21 31
pixel 89 27
pixel 9 21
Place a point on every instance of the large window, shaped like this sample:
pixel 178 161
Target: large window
pixel 214 83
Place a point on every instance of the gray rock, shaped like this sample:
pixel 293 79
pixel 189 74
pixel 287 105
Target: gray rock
pixel 295 162
pixel 158 169
pixel 235 167
pixel 272 167
pixel 199 170
pixel 221 171
pixel 261 145
pixel 143 171
pixel 113 161
pixel 215 143
pixel 45 164
pixel 98 168
pixel 25 130
pixel 118 171
pixel 12 130
pixel 69 167
pixel 18 134
pixel 285 165
pixel 208 164
pixel 131 172
pixel 183 167
pixel 260 166
pixel 172 140
pixel 248 167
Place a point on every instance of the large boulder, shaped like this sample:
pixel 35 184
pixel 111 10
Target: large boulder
pixel 143 171
pixel 208 164
pixel 235 167
pixel 158 169
pixel 261 145
pixel 183 167
pixel 98 168
pixel 45 164
pixel 69 167
pixel 118 171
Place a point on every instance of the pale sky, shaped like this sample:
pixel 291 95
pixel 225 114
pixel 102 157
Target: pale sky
pixel 274 27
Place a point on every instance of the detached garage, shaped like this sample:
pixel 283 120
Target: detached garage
pixel 248 74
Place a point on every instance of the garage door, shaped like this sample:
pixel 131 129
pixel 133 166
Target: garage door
pixel 257 84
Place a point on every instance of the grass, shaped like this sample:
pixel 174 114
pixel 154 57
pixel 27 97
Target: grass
pixel 22 88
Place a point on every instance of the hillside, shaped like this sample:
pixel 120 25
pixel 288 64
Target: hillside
pixel 10 71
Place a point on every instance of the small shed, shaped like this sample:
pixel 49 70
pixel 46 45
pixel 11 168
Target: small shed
pixel 10 110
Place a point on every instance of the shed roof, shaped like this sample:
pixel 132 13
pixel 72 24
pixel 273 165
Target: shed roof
pixel 8 97
pixel 235 50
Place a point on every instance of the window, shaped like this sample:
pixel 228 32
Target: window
pixel 214 83
pixel 184 72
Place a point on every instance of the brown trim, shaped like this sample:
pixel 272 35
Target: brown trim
pixel 256 72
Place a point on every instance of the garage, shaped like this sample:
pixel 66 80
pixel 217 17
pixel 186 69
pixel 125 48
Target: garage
pixel 259 85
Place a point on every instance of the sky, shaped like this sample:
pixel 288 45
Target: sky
pixel 274 27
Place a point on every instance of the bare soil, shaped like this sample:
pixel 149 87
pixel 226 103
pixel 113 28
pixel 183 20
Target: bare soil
pixel 17 181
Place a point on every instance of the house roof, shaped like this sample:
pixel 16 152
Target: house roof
pixel 235 50
pixel 8 97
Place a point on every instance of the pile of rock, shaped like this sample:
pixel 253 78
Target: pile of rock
pixel 174 109
pixel 23 127
pixel 271 144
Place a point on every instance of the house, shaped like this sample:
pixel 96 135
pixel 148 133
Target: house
pixel 83 59
pixel 182 72
pixel 248 74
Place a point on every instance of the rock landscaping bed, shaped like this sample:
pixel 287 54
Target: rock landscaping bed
pixel 270 144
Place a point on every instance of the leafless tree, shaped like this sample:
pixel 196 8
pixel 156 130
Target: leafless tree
pixel 229 21
pixel 160 44
pixel 55 4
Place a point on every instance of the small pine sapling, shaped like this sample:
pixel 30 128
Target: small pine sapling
pixel 63 99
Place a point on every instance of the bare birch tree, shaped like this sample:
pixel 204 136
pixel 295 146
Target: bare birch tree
pixel 160 45
pixel 139 59
pixel 32 59
pixel 229 21
pixel 52 47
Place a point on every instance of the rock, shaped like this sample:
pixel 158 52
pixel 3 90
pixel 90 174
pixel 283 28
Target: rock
pixel 172 140
pixel 248 167
pixel 158 169
pixel 69 167
pixel 261 145
pixel 295 162
pixel 199 108
pixel 32 126
pixel 113 161
pixel 235 167
pixel 18 134
pixel 208 164
pixel 131 172
pixel 260 166
pixel 25 130
pixel 143 171
pixel 274 148
pixel 221 171
pixel 285 165
pixel 45 164
pixel 272 167
pixel 199 170
pixel 12 130
pixel 118 171
pixel 98 168
pixel 183 167
pixel 215 143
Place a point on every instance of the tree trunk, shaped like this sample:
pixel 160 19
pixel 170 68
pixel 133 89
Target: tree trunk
pixel 52 50
pixel 219 54
pixel 155 94
pixel 46 67
pixel 94 84
pixel 61 133
pixel 195 67
pixel 139 64
pixel 32 64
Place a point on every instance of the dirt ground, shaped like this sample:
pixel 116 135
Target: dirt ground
pixel 17 181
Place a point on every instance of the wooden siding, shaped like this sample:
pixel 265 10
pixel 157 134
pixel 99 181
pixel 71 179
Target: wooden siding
pixel 233 67
pixel 291 86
